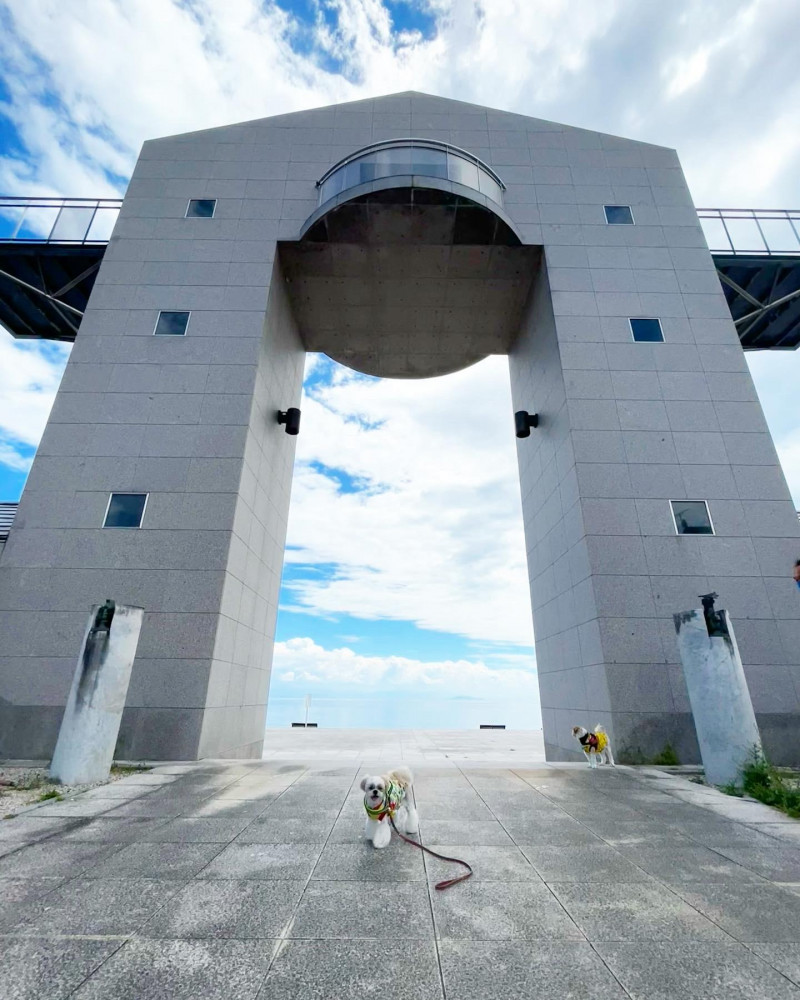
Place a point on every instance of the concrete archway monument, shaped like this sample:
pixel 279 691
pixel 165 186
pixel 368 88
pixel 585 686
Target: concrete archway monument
pixel 406 236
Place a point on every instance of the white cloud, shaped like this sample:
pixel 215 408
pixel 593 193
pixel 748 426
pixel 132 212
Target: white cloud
pixel 434 535
pixel 303 661
pixel 437 538
pixel 30 373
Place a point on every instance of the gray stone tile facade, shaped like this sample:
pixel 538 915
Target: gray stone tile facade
pixel 624 428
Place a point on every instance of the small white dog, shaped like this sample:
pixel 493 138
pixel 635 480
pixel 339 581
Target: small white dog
pixel 389 796
pixel 596 745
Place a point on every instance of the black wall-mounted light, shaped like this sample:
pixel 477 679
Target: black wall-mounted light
pixel 291 418
pixel 523 421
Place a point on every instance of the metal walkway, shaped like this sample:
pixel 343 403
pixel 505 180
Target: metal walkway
pixel 52 248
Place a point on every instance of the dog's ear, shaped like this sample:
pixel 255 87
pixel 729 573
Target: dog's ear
pixel 363 784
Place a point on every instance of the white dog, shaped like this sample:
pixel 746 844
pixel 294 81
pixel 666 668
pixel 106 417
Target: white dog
pixel 389 796
pixel 596 745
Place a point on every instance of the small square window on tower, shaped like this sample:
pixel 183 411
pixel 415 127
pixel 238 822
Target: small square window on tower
pixel 201 208
pixel 619 215
pixel 691 517
pixel 171 324
pixel 647 331
pixel 125 510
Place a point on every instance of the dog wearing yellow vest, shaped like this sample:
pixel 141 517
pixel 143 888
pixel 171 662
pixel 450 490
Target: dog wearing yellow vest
pixel 595 745
pixel 386 797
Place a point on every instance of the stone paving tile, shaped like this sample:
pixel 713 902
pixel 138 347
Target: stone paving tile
pixel 312 829
pixel 789 831
pixel 219 808
pixel 777 861
pixel 462 809
pixel 363 910
pixel 348 829
pixel 149 807
pixel 398 862
pixel 513 970
pixel 783 957
pixel 226 908
pixel 267 861
pixel 453 831
pixel 353 970
pixel 566 832
pixel 748 912
pixel 145 860
pixel 16 895
pixel 714 833
pixel 195 970
pixel 96 906
pixel 46 968
pixel 635 911
pixel 487 911
pixel 52 859
pixel 703 970
pixel 77 806
pixel 27 829
pixel 101 829
pixel 197 830
pixel 682 864
pixel 623 836
pixel 489 864
pixel 597 863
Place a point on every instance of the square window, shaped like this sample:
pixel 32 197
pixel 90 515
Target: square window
pixel 125 510
pixel 692 517
pixel 618 215
pixel 201 208
pixel 171 324
pixel 647 331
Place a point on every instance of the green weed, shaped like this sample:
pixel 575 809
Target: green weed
pixel 667 757
pixel 766 783
pixel 52 794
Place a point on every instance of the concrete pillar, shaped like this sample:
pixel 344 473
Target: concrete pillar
pixel 88 735
pixel 721 707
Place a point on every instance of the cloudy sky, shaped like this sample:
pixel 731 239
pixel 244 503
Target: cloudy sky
pixel 405 580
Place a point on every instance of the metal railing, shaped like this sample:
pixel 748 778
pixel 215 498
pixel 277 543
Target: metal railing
pixel 731 231
pixel 760 232
pixel 77 221
pixel 7 513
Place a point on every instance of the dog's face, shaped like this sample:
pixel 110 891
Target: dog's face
pixel 374 789
pixel 578 732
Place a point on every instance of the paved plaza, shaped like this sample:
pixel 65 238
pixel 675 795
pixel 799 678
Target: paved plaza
pixel 239 879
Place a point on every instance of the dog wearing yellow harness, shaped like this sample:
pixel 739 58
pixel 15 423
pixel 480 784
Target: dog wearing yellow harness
pixel 389 797
pixel 595 745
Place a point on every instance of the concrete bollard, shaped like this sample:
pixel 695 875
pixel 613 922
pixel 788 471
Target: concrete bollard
pixel 89 729
pixel 723 711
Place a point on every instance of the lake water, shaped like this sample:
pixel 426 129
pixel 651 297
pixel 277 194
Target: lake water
pixel 403 713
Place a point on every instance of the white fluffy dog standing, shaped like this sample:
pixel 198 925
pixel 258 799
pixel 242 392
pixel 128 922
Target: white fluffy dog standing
pixel 389 796
pixel 595 745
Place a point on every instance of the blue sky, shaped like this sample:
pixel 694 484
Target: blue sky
pixel 405 575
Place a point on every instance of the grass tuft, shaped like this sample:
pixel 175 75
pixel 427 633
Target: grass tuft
pixel 766 783
pixel 667 757
pixel 52 794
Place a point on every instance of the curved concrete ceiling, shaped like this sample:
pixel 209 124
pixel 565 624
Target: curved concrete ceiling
pixel 408 283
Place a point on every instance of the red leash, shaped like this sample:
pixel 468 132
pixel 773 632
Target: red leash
pixel 442 857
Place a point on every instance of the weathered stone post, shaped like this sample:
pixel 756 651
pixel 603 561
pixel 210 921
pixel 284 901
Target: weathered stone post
pixel 723 711
pixel 89 729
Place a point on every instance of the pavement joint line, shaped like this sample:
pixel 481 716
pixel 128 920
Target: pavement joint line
pixel 281 940
pixel 430 905
pixel 135 935
pixel 549 889
pixel 672 890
